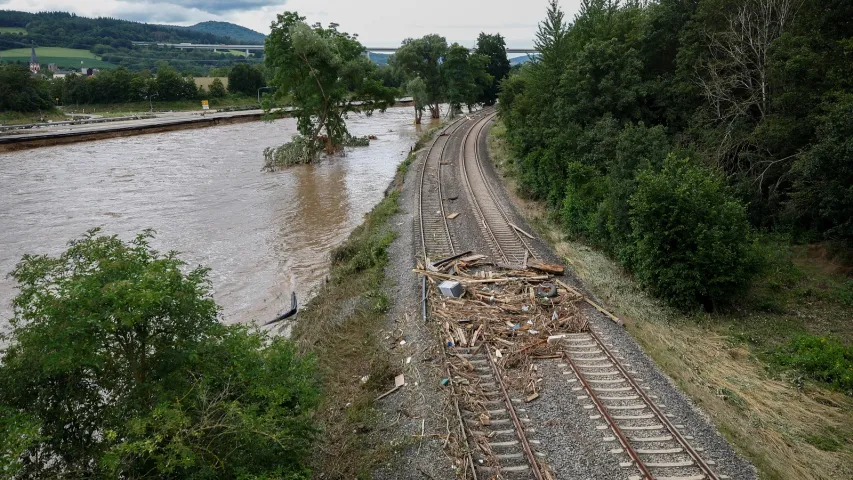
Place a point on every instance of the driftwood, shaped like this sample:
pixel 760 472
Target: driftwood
pixel 546 267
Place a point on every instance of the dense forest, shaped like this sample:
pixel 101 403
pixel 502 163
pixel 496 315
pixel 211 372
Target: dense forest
pixel 62 29
pixel 22 92
pixel 226 29
pixel 680 135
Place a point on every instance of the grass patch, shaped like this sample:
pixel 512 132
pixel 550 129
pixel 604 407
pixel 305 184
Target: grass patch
pixel 822 358
pixel 63 57
pixel 789 429
pixel 25 118
pixel 340 327
pixel 123 109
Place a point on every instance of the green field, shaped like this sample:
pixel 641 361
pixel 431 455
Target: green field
pixel 64 57
pixel 13 30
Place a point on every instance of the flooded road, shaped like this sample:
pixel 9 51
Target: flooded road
pixel 263 234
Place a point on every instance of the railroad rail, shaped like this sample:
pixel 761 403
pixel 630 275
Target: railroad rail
pixel 436 241
pixel 506 242
pixel 488 419
pixel 655 446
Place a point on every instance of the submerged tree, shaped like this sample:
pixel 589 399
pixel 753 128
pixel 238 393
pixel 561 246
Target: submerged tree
pixel 422 58
pixel 326 75
pixel 416 88
pixel 465 77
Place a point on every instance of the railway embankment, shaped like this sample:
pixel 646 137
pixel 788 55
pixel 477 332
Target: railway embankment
pixel 727 364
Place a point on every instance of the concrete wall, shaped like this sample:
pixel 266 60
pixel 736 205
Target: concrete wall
pixel 206 81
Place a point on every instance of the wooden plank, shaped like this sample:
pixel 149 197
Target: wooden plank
pixel 453 215
pixel 520 230
pixel 546 267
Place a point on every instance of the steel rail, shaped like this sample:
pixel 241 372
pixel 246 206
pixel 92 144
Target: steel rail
pixel 610 421
pixel 492 193
pixel 519 428
pixel 477 207
pixel 700 462
pixel 458 123
pixel 454 394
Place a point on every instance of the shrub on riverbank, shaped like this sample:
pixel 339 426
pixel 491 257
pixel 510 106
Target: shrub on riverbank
pixel 118 367
pixel 300 150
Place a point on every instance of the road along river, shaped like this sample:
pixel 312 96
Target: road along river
pixel 203 192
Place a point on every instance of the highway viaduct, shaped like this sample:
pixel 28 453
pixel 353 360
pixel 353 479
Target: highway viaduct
pixel 248 48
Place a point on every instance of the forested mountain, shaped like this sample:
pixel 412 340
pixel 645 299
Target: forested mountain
pixel 112 40
pixel 62 29
pixel 226 29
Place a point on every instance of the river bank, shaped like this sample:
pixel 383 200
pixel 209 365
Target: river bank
pixel 49 134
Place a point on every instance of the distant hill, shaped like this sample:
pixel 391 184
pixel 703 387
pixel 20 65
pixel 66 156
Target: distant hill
pixel 379 58
pixel 519 60
pixel 226 29
pixel 61 29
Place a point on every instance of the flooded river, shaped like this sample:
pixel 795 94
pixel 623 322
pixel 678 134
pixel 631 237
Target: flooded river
pixel 263 234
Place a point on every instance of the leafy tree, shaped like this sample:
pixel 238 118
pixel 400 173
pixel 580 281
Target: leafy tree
pixel 422 58
pixel 324 72
pixel 245 79
pixel 458 77
pixel 494 47
pixel 170 85
pixel 692 241
pixel 417 89
pixel 117 367
pixel 21 92
pixel 823 201
pixel 217 89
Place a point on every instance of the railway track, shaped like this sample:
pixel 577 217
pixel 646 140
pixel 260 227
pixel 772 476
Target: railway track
pixel 655 447
pixel 496 431
pixel 493 429
pixel 508 245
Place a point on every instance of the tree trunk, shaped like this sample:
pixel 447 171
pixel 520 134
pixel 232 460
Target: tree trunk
pixel 418 114
pixel 435 110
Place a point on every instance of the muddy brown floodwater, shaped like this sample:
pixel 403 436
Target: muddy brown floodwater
pixel 262 234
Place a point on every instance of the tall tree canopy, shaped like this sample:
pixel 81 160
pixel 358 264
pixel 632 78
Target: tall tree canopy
pixel 117 367
pixel 245 79
pixel 754 92
pixel 325 74
pixel 422 57
pixel 21 91
pixel 494 48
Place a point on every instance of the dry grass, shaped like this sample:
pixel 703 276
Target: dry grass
pixel 787 431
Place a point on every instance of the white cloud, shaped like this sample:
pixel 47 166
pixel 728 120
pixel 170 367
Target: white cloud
pixel 379 23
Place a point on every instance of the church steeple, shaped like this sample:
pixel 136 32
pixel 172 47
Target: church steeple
pixel 34 62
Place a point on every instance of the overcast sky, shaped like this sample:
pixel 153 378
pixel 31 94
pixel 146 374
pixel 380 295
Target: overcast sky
pixel 379 23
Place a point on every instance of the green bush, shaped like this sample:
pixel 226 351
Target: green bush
pixel 824 359
pixel 217 89
pixel 117 366
pixel 692 243
pixel 585 189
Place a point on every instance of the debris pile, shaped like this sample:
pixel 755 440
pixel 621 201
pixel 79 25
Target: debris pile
pixel 512 311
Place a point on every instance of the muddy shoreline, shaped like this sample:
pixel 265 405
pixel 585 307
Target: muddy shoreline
pixel 14 143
